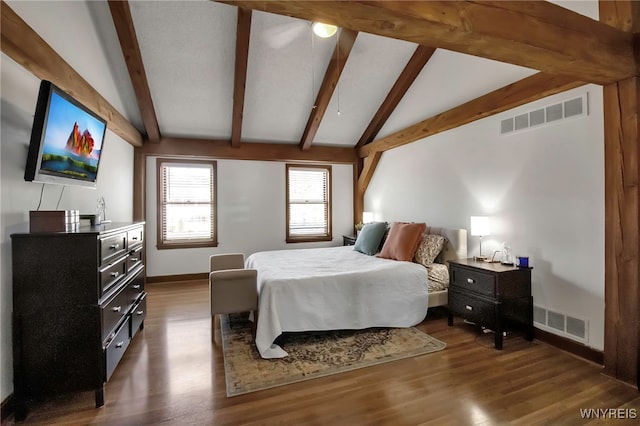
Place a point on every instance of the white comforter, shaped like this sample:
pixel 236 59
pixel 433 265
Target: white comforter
pixel 334 288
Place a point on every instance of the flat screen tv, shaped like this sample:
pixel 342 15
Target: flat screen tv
pixel 66 140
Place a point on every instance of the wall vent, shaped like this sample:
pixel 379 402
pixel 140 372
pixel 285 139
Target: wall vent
pixel 572 108
pixel 558 323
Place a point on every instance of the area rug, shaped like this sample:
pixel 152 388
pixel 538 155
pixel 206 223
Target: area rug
pixel 313 354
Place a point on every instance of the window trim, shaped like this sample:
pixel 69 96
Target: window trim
pixel 160 244
pixel 308 239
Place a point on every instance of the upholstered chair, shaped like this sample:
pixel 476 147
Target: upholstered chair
pixel 232 288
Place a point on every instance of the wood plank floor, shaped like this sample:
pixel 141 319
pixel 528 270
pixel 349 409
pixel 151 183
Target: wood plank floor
pixel 173 375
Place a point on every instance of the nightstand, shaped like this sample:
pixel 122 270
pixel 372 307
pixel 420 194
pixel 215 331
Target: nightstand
pixel 492 295
pixel 348 240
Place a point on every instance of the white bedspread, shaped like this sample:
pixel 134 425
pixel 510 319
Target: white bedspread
pixel 331 289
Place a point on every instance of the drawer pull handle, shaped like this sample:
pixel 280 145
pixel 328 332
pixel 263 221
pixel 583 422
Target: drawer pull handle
pixel 116 308
pixel 136 287
pixel 120 344
pixel 134 238
pixel 140 313
pixel 470 280
pixel 468 308
pixel 115 274
pixel 114 246
pixel 134 260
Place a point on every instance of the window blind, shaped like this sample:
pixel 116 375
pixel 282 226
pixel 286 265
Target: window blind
pixel 187 202
pixel 308 202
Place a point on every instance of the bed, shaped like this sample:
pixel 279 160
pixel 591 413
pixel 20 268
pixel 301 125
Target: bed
pixel 339 288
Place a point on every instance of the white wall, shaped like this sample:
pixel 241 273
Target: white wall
pixel 17 197
pixel 542 188
pixel 251 214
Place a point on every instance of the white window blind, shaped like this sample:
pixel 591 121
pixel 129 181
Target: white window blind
pixel 187 202
pixel 308 202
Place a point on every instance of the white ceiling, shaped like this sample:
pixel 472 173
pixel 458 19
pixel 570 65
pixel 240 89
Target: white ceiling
pixel 188 50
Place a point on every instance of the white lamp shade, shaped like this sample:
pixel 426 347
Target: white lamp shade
pixel 479 226
pixel 324 30
pixel 367 217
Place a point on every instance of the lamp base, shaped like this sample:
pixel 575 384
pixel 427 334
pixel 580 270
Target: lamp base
pixel 480 258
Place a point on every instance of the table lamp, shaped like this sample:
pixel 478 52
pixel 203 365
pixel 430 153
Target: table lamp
pixel 480 228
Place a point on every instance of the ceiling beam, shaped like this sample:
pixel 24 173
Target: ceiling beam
pixel 346 38
pixel 521 92
pixel 411 71
pixel 250 151
pixel 534 34
pixel 22 44
pixel 368 168
pixel 243 32
pixel 121 15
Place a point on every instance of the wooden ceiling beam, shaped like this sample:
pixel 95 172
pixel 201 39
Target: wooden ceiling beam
pixel 22 44
pixel 368 168
pixel 534 34
pixel 411 71
pixel 243 32
pixel 121 15
pixel 521 92
pixel 346 38
pixel 250 151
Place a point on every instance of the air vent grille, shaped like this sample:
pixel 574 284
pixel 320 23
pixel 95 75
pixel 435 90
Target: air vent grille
pixel 572 108
pixel 558 323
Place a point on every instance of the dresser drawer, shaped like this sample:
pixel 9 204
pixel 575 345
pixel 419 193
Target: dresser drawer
pixel 111 274
pixel 471 308
pixel 138 314
pixel 115 348
pixel 112 247
pixel 478 282
pixel 135 259
pixel 135 288
pixel 135 237
pixel 114 311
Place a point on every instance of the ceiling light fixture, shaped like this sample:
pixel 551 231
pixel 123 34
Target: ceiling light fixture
pixel 324 30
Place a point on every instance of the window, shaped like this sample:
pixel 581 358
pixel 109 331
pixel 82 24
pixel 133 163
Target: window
pixel 308 203
pixel 186 203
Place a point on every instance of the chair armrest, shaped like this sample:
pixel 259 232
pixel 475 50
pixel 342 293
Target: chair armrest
pixel 233 290
pixel 226 261
pixel 233 274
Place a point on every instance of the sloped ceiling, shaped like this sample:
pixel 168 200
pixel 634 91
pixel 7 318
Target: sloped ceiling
pixel 188 54
pixel 188 51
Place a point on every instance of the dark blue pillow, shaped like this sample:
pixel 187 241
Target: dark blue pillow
pixel 369 238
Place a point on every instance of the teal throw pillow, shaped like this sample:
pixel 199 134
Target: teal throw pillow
pixel 369 238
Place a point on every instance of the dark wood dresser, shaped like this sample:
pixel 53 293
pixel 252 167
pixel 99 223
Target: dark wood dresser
pixel 78 300
pixel 492 295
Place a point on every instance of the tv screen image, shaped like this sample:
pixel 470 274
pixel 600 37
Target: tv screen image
pixel 66 140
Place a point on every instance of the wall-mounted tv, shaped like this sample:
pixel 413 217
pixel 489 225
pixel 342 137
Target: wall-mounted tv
pixel 66 140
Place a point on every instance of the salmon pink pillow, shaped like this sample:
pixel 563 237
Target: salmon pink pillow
pixel 402 241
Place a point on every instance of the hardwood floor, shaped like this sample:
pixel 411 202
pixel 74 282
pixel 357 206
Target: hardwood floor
pixel 173 375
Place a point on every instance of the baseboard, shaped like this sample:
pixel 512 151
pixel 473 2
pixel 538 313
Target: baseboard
pixel 180 277
pixel 6 408
pixel 570 346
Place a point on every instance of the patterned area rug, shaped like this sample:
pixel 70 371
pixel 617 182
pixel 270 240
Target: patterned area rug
pixel 313 354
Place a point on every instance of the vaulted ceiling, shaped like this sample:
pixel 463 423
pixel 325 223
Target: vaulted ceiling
pixel 218 72
pixel 249 79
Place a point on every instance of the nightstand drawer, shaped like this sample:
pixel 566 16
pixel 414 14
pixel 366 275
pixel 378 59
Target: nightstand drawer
pixel 471 308
pixel 472 280
pixel 348 240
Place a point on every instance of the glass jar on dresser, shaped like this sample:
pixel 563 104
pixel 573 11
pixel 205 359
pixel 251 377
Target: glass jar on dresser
pixel 78 301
